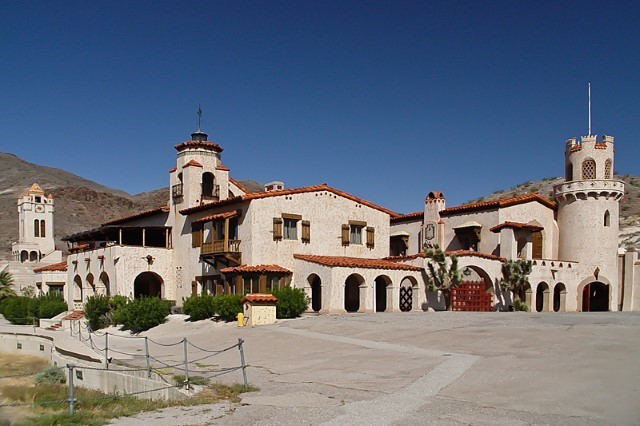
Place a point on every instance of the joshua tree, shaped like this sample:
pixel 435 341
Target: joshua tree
pixel 6 280
pixel 515 276
pixel 442 273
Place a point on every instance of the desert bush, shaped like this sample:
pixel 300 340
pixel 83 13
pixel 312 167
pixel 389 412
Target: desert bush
pixel 143 313
pixel 291 302
pixel 51 305
pixel 198 307
pixel 97 310
pixel 52 375
pixel 227 306
pixel 519 305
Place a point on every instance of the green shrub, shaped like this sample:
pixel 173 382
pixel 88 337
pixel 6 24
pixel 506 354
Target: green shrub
pixel 291 302
pixel 16 310
pixel 3 302
pixel 519 305
pixel 143 313
pixel 53 375
pixel 198 307
pixel 97 310
pixel 51 305
pixel 117 301
pixel 227 306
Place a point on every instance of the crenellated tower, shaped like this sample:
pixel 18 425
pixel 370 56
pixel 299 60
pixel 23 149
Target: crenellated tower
pixel 588 205
pixel 433 227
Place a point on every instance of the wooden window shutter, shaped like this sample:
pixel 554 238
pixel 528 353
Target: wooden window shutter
pixel 277 228
pixel 371 240
pixel 345 234
pixel 306 231
pixel 196 235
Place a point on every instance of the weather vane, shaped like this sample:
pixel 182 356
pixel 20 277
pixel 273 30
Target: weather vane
pixel 199 117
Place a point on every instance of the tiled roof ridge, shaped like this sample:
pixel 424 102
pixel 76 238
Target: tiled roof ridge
pixel 162 209
pixel 408 257
pixel 239 185
pixel 289 191
pixel 224 215
pixel 199 144
pixel 270 268
pixel 60 266
pixel 192 163
pixel 356 262
pixel 516 225
pixel 466 253
pixel 407 216
pixel 503 202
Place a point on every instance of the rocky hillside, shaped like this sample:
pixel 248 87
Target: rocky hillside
pixel 629 206
pixel 80 203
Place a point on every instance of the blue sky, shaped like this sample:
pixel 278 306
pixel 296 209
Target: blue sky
pixel 387 100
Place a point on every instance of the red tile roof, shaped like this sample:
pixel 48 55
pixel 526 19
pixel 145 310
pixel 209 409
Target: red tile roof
pixel 495 204
pixel 292 191
pixel 409 257
pixel 259 298
pixel 253 269
pixel 409 217
pixel 222 167
pixel 225 215
pixel 236 183
pixel 516 225
pixel 434 196
pixel 163 209
pixel 576 148
pixel 356 262
pixel 78 248
pixel 601 145
pixel 210 146
pixel 191 163
pixel 467 253
pixel 173 169
pixel 60 266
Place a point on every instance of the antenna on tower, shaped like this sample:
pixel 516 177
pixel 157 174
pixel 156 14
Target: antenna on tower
pixel 589 109
pixel 200 118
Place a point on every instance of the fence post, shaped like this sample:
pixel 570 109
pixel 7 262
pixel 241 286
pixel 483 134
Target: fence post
pixel 71 398
pixel 106 350
pixel 244 366
pixel 186 364
pixel 34 325
pixel 79 331
pixel 146 353
pixel 71 328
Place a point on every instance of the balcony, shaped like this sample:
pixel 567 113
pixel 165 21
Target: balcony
pixel 226 252
pixel 211 194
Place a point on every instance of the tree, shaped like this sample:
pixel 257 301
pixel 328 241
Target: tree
pixel 515 277
pixel 6 281
pixel 442 273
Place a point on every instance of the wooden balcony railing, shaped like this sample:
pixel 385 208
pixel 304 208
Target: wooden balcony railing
pixel 218 246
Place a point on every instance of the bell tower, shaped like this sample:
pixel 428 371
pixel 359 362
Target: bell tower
pixel 35 226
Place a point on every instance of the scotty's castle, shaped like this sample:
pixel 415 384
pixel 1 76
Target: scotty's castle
pixel 348 254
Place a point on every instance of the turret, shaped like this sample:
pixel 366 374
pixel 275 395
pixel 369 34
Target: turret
pixel 433 227
pixel 35 216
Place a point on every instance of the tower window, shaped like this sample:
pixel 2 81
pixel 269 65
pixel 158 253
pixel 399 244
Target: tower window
pixel 589 169
pixel 607 169
pixel 42 229
pixel 36 228
pixel 569 174
pixel 607 218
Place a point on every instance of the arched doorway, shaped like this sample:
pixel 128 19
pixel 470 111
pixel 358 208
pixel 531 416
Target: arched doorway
pixel 77 289
pixel 316 292
pixel 559 297
pixel 33 256
pixel 595 297
pixel 542 297
pixel 91 288
pixel 104 283
pixel 24 256
pixel 381 292
pixel 407 300
pixel 352 292
pixel 147 284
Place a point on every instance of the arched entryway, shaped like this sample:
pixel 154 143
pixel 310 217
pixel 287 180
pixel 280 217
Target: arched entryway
pixel 104 283
pixel 24 256
pixel 91 287
pixel 316 292
pixel 147 284
pixel 352 292
pixel 77 288
pixel 407 299
pixel 33 256
pixel 595 297
pixel 542 297
pixel 382 282
pixel 559 298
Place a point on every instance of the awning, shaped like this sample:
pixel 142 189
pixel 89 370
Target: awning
pixel 219 216
pixel 470 224
pixel 400 234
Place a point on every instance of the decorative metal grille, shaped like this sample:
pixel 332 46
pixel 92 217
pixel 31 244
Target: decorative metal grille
pixel 589 169
pixel 607 169
pixel 406 299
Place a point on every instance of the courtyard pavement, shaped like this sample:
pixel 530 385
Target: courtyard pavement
pixel 442 368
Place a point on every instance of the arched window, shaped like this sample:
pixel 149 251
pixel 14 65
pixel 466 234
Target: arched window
pixel 42 229
pixel 569 174
pixel 588 169
pixel 607 169
pixel 207 184
pixel 607 218
pixel 36 228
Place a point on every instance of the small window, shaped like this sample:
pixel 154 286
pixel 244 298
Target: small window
pixel 355 234
pixel 42 229
pixel 290 229
pixel 607 218
pixel 589 169
pixel 38 199
pixel 36 228
pixel 607 169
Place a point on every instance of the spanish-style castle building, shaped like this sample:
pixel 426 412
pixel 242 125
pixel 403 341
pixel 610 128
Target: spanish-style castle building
pixel 351 255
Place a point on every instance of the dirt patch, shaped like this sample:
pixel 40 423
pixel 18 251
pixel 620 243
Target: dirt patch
pixel 11 364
